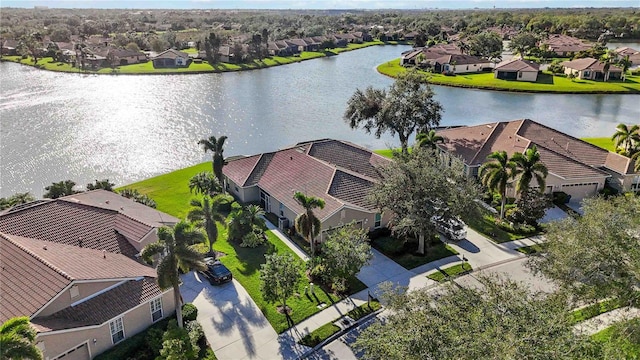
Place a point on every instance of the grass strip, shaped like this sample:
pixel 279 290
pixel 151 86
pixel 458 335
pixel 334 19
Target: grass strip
pixel 445 274
pixel 528 250
pixel 327 330
pixel 594 310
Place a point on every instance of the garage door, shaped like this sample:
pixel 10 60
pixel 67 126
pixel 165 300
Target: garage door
pixel 580 191
pixel 81 352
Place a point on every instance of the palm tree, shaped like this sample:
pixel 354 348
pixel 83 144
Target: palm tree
pixel 204 183
pixel 175 251
pixel 429 139
pixel 496 173
pixel 205 213
pixel 307 223
pixel 216 147
pixel 626 137
pixel 636 157
pixel 17 340
pixel 528 166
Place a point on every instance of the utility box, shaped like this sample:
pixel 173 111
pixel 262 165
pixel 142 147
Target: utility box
pixel 283 223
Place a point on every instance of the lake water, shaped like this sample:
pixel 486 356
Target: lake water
pixel 56 126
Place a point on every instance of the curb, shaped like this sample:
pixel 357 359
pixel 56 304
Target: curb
pixel 340 333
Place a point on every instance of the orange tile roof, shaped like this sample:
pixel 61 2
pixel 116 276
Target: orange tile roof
pixel 563 154
pixel 316 168
pixel 65 222
pixel 35 271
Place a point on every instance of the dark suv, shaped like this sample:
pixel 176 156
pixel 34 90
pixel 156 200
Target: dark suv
pixel 216 273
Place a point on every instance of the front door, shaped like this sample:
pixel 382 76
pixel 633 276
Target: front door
pixel 264 201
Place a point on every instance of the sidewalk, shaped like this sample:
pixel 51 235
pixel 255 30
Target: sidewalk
pixel 285 239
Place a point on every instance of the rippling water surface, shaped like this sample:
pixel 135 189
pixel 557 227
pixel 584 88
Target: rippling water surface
pixel 83 127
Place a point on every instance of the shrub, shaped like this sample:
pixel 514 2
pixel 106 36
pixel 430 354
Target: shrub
pixel 560 197
pixel 142 346
pixel 608 191
pixel 253 239
pixel 176 344
pixel 195 332
pixel 378 233
pixel 189 312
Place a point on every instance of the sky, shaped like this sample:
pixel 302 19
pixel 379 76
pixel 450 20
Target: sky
pixel 316 4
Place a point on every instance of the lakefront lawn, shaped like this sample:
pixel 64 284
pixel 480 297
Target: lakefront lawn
pixel 546 82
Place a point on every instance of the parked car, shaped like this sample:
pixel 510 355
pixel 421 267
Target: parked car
pixel 454 228
pixel 216 272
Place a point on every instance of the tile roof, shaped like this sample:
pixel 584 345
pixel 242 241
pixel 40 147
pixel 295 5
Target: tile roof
pixel 171 54
pixel 34 271
pixel 623 51
pixel 65 222
pixel 563 155
pixel 323 168
pixel 460 59
pixel 590 64
pixel 112 201
pixel 518 65
pixel 94 312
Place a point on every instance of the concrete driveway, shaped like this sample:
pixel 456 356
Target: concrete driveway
pixel 553 214
pixel 232 322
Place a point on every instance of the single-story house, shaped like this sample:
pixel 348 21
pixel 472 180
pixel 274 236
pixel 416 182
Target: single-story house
pixel 282 48
pixel 575 166
pixel 171 58
pixel 340 173
pixel 563 45
pixel 460 64
pixel 517 69
pixel 633 55
pixel 9 47
pixel 71 266
pixel 592 69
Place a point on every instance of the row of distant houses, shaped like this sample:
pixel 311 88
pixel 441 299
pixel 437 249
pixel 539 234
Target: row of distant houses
pixel 449 59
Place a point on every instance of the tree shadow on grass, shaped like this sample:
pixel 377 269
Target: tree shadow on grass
pixel 545 79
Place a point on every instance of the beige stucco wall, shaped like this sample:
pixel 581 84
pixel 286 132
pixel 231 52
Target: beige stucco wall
pixel 527 76
pixel 245 195
pixel 625 182
pixel 365 219
pixel 84 290
pixel 134 321
pixel 470 68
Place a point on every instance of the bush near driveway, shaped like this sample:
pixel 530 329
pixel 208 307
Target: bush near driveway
pixel 404 252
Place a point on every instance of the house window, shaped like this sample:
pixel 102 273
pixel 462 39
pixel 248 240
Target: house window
pixel 378 221
pixel 586 73
pixel 156 309
pixel 281 209
pixel 519 74
pixel 117 330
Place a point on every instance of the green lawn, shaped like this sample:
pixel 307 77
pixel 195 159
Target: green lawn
pixel 595 310
pixel 603 142
pixel 171 193
pixel 528 250
pixel 444 274
pixel 546 82
pixel 625 348
pixel 404 254
pixel 486 226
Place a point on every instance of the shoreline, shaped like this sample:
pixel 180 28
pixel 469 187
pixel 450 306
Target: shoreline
pixel 625 90
pixel 217 69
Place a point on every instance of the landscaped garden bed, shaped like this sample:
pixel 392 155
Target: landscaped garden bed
pixel 404 253
pixel 327 330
